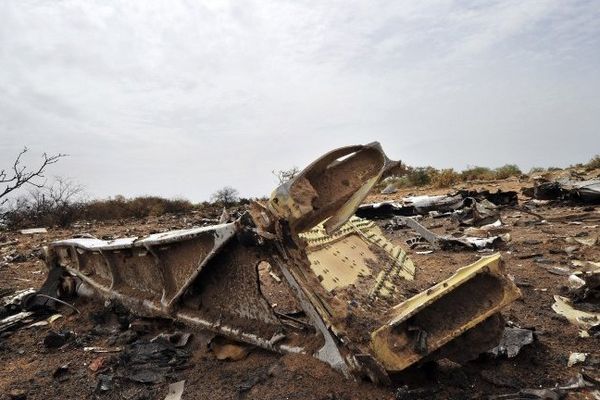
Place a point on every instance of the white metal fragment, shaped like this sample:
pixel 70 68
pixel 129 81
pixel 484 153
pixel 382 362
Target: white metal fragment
pixel 175 391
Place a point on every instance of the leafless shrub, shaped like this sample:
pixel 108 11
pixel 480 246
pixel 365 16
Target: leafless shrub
pixel 120 207
pixel 58 203
pixel 225 196
pixel 19 175
pixel 285 175
pixel 594 163
pixel 445 178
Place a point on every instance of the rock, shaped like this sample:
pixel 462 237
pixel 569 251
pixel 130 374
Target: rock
pixel 55 340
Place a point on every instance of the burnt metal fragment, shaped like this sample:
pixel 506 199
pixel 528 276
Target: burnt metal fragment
pixel 341 278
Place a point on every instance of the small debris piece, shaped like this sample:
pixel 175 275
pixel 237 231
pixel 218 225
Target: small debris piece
pixel 513 339
pixel 586 266
pixel 589 242
pixel 151 362
pixel 403 393
pixel 389 189
pixel 175 391
pixel 105 383
pixel 32 231
pixel 37 324
pixel 177 339
pixel 54 340
pixel 14 320
pixel 227 349
pixel 61 373
pixel 585 320
pixel 541 394
pixel 9 243
pixel 575 282
pixel 53 318
pixel 17 394
pixel 578 382
pixel 95 349
pixel 275 277
pixel 576 358
pixel 225 217
pixel 98 363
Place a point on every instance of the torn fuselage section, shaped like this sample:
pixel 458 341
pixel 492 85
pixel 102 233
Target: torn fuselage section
pixel 338 279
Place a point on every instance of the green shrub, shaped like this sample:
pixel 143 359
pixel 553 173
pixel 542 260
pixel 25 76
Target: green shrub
pixel 536 170
pixel 420 176
pixel 477 174
pixel 594 163
pixel 445 178
pixel 506 171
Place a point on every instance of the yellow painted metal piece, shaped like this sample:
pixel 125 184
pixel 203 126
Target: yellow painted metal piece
pixel 344 256
pixel 394 344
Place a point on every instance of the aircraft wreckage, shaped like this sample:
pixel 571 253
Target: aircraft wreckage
pixel 341 278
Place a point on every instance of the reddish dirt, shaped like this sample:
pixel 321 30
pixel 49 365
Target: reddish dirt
pixel 28 366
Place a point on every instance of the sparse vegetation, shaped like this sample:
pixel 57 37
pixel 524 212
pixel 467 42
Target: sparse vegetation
pixel 284 175
pixel 445 178
pixel 477 174
pixel 594 163
pixel 506 171
pixel 422 176
pixel 19 175
pixel 536 170
pixel 225 196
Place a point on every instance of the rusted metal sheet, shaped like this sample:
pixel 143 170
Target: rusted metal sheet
pixel 338 276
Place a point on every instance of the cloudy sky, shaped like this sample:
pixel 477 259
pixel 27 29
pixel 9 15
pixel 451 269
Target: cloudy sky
pixel 179 98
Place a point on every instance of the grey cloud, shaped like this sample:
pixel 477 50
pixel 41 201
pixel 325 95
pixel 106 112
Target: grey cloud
pixel 183 97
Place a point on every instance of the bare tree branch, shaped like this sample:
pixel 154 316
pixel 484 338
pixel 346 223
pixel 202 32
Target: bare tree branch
pixel 20 175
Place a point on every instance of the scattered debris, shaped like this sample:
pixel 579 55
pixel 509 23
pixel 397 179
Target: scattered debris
pixel 98 363
pixel 175 391
pixel 226 349
pixel 11 243
pixel 578 382
pixel 448 242
pixel 576 358
pixel 589 242
pixel 565 189
pixel 177 339
pixel 95 349
pixel 105 383
pixel 54 340
pixel 32 231
pixel 151 362
pixel 61 374
pixel 471 207
pixel 389 189
pixel 585 320
pixel 541 394
pixel 513 339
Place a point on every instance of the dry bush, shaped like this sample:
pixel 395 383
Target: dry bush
pixel 446 178
pixel 284 175
pixel 506 171
pixel 594 163
pixel 226 196
pixel 477 174
pixel 139 207
pixel 57 204
pixel 536 170
pixel 420 176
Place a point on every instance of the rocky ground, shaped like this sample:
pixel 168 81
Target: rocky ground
pixel 50 360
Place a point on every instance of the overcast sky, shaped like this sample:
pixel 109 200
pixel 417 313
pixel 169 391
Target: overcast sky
pixel 179 98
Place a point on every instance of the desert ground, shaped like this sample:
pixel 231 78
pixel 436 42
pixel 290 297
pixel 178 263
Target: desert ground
pixel 539 257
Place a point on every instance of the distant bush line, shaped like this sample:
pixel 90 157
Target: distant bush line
pixel 30 212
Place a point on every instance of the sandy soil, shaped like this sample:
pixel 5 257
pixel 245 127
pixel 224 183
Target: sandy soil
pixel 29 367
